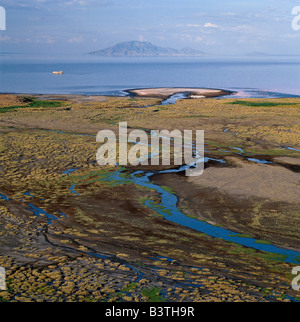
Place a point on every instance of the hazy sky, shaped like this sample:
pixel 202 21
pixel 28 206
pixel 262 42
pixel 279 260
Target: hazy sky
pixel 213 26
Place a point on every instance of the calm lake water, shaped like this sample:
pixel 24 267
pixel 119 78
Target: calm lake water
pixel 89 75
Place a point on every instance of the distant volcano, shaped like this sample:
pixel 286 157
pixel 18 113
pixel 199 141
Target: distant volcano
pixel 145 49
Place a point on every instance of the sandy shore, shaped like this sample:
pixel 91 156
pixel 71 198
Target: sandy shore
pixel 161 93
pixel 167 92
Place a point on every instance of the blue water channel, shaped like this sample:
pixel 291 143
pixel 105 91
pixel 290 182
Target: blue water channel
pixel 169 210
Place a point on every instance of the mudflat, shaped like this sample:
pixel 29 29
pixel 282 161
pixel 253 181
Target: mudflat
pixel 248 179
pixel 71 230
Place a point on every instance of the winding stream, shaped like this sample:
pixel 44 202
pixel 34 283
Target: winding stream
pixel 168 205
pixel 174 98
pixel 168 209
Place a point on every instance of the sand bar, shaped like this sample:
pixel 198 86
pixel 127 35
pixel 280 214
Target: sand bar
pixel 164 93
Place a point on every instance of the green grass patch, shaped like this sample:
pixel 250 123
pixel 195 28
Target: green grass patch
pixel 159 208
pixel 190 215
pixel 153 295
pixel 131 287
pixel 241 236
pixel 297 259
pixel 2 300
pixel 260 104
pixel 274 152
pixel 215 144
pixel 262 242
pixel 45 104
pixel 10 108
pixel 33 104
pixel 168 189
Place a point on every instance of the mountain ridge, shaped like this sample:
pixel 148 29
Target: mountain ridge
pixel 145 49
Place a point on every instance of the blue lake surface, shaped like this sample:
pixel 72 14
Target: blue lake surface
pixel 90 75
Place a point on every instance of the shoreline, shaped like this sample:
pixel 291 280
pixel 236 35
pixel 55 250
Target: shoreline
pixel 161 93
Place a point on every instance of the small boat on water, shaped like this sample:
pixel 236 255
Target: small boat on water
pixel 58 72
